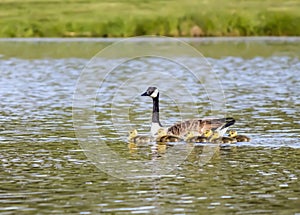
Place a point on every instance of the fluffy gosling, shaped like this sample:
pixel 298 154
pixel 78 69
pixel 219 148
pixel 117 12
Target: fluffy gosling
pixel 215 138
pixel 192 138
pixel 239 138
pixel 136 138
pixel 162 136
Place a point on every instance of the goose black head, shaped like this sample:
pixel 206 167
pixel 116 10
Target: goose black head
pixel 152 92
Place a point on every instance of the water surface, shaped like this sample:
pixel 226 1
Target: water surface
pixel 44 169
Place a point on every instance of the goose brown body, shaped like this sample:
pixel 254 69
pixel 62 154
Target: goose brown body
pixel 199 125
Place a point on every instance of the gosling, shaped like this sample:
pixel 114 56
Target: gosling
pixel 215 138
pixel 162 136
pixel 239 138
pixel 192 138
pixel 134 137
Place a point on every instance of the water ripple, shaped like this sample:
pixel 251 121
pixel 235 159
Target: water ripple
pixel 45 171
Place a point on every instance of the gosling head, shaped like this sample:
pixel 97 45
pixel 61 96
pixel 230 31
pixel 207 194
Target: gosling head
pixel 161 132
pixel 232 133
pixel 207 133
pixel 152 92
pixel 132 134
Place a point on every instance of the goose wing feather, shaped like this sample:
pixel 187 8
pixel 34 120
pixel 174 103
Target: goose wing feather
pixel 199 125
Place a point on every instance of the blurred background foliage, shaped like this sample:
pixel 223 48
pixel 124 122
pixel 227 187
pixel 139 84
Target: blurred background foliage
pixel 125 18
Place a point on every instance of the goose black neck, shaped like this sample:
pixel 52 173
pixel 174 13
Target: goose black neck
pixel 155 112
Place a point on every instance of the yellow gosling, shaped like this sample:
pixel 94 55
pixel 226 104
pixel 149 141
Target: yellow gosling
pixel 228 140
pixel 192 138
pixel 162 136
pixel 136 138
pixel 239 138
pixel 215 138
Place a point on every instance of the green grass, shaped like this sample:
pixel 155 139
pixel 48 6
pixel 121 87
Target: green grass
pixel 109 18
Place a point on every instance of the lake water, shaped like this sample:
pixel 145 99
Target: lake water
pixel 47 169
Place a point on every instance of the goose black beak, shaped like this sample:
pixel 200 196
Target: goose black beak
pixel 145 94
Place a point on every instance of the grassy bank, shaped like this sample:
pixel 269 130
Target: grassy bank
pixel 108 18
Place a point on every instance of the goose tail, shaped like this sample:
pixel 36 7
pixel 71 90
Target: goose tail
pixel 229 121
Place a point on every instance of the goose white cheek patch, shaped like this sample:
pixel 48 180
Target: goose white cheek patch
pixel 154 94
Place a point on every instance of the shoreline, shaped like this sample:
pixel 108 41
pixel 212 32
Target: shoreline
pixel 156 39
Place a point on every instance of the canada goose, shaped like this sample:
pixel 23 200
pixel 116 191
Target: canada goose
pixel 181 128
pixel 135 138
pixel 239 138
pixel 162 136
pixel 192 138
